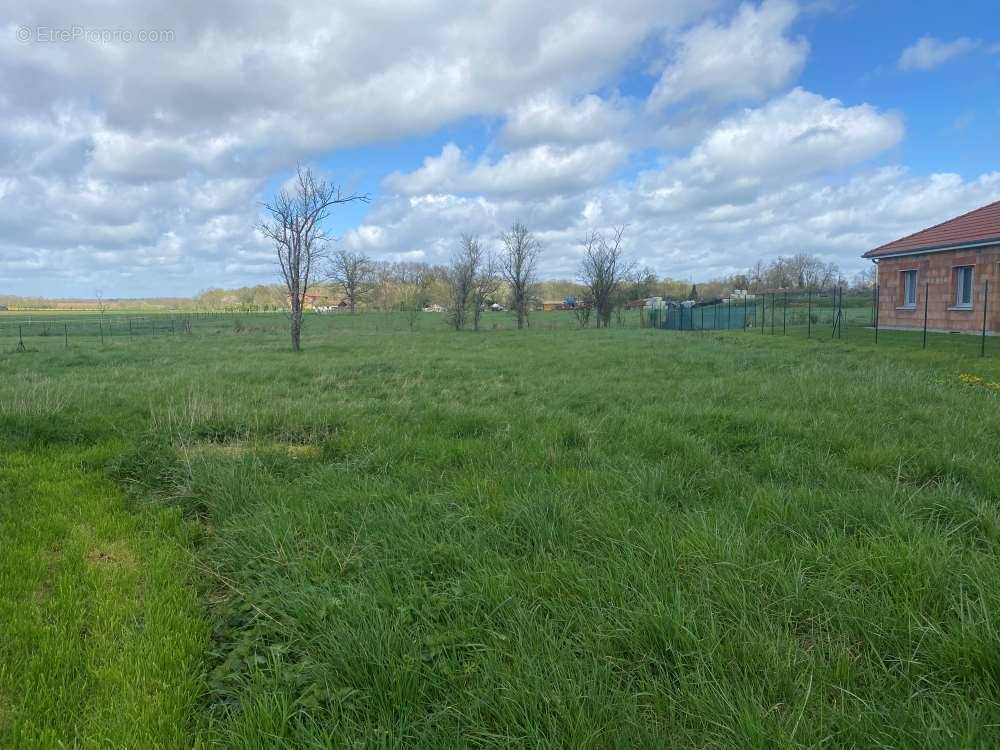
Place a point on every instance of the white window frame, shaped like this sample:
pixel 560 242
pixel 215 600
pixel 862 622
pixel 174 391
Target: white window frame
pixel 963 288
pixel 914 274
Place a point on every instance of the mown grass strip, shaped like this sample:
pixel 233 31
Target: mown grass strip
pixel 102 631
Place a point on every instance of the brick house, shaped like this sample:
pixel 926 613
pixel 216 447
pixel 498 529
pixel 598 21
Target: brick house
pixel 946 267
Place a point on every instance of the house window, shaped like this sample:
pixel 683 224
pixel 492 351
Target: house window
pixel 963 286
pixel 909 288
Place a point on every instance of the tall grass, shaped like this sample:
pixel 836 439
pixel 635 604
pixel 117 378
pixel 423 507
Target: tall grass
pixel 564 538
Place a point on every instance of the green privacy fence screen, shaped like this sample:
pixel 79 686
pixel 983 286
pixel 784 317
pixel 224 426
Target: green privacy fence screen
pixel 710 316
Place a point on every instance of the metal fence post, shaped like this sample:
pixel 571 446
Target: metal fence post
pixel 809 314
pixel 773 294
pixel 843 318
pixel 926 290
pixel 986 298
pixel 876 311
pixel 784 314
pixel 66 335
pixel 836 317
pixel 840 312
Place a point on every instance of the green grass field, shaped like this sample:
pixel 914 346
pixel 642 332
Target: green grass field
pixel 546 538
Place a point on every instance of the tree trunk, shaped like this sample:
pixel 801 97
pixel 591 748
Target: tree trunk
pixel 296 327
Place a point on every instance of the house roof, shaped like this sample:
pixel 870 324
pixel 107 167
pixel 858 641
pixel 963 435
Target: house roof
pixel 979 226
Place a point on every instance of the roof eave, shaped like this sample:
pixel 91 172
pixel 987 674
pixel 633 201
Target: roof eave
pixel 875 255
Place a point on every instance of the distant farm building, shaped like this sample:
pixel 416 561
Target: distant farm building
pixel 319 302
pixel 566 303
pixel 947 274
pixel 309 301
pixel 3 308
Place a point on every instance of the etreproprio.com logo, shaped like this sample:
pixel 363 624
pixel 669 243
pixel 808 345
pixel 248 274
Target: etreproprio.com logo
pixel 89 35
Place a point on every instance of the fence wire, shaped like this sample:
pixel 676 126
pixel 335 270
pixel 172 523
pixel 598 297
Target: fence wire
pixel 834 314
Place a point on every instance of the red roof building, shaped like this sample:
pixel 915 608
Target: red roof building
pixel 948 274
pixel 981 226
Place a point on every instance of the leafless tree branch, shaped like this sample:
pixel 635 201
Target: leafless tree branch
pixel 517 267
pixel 296 228
pixel 355 273
pixel 603 270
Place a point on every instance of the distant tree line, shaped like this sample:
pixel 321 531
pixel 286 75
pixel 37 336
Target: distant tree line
pixel 800 272
pixel 493 274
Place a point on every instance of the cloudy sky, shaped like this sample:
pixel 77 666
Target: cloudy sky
pixel 137 139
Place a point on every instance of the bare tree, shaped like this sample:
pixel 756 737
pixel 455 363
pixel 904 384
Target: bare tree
pixel 383 285
pixel 485 281
pixel 461 280
pixel 604 270
pixel 866 278
pixel 414 279
pixel 640 284
pixel 517 266
pixel 756 275
pixel 800 271
pixel 300 239
pixel 354 272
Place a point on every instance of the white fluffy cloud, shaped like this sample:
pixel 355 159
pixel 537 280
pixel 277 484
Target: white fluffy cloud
pixel 138 167
pixel 548 118
pixel 745 60
pixel 246 79
pixel 539 169
pixel 752 187
pixel 928 53
pixel 837 222
pixel 792 137
pixel 116 150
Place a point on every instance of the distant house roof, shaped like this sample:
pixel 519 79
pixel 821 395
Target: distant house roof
pixel 978 227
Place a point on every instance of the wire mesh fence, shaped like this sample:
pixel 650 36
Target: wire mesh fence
pixel 24 331
pixel 29 331
pixel 836 314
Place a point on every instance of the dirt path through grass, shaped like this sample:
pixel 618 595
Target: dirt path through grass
pixel 102 632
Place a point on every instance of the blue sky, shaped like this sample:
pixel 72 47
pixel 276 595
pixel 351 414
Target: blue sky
pixel 950 110
pixel 719 132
